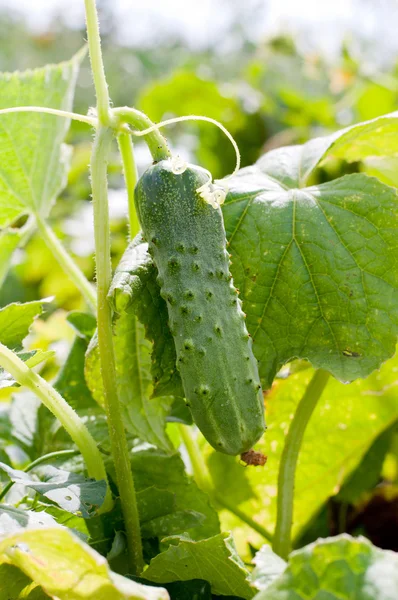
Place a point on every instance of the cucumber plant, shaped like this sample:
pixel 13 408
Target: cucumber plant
pixel 168 348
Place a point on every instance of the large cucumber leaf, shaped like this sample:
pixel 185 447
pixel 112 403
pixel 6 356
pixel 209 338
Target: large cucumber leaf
pixel 68 569
pixel 317 266
pixel 340 568
pixel 215 560
pixel 317 269
pixel 135 289
pixel 33 160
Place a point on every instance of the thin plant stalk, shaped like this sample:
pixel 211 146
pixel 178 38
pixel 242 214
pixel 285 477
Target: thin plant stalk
pixel 97 64
pixel 131 176
pixel 62 411
pixel 156 142
pixel 67 264
pixel 119 447
pixel 99 184
pixel 288 463
pixel 205 482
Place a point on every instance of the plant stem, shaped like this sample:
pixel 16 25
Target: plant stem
pixel 97 65
pixel 130 176
pixel 205 483
pixel 66 263
pixel 199 467
pixel 36 463
pixel 156 142
pixel 288 463
pixel 62 411
pixel 224 503
pixel 99 184
pixel 120 452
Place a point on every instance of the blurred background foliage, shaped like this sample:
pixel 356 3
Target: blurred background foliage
pixel 268 93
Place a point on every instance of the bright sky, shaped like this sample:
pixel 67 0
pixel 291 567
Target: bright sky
pixel 204 20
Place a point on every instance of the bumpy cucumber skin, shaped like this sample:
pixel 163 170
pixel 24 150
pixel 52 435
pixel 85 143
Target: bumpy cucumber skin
pixel 219 372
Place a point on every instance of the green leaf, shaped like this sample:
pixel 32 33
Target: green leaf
pixel 377 137
pixel 70 491
pixel 292 166
pixel 9 241
pixel 384 168
pixel 215 560
pixel 368 473
pixel 31 425
pixel 267 567
pixel 172 524
pixel 317 268
pixel 16 320
pixel 134 288
pixel 71 382
pixel 159 516
pixel 144 417
pixel 13 583
pixel 67 568
pixel 154 502
pixel 14 519
pixel 84 324
pixel 345 423
pixel 154 468
pixel 196 589
pixel 33 160
pixel 337 569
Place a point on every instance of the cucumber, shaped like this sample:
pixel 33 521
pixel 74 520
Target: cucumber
pixel 219 372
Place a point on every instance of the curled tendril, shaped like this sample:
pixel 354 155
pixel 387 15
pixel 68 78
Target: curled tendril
pixel 178 165
pixel 212 194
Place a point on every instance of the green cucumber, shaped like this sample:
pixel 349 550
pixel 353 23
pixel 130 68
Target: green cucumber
pixel 219 372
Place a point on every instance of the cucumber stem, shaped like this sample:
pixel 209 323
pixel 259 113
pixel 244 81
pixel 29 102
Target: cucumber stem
pixel 130 176
pixel 97 64
pixel 63 412
pixel 205 483
pixel 288 463
pixel 119 447
pixel 66 263
pixel 156 142
pixel 99 183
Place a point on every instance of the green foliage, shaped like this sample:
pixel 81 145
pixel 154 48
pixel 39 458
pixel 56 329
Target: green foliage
pixel 71 492
pixel 311 262
pixel 32 143
pixel 15 322
pixel 337 568
pixel 152 468
pixel 312 234
pixel 9 241
pixel 344 425
pixel 134 289
pixel 84 575
pixel 145 417
pixel 214 560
